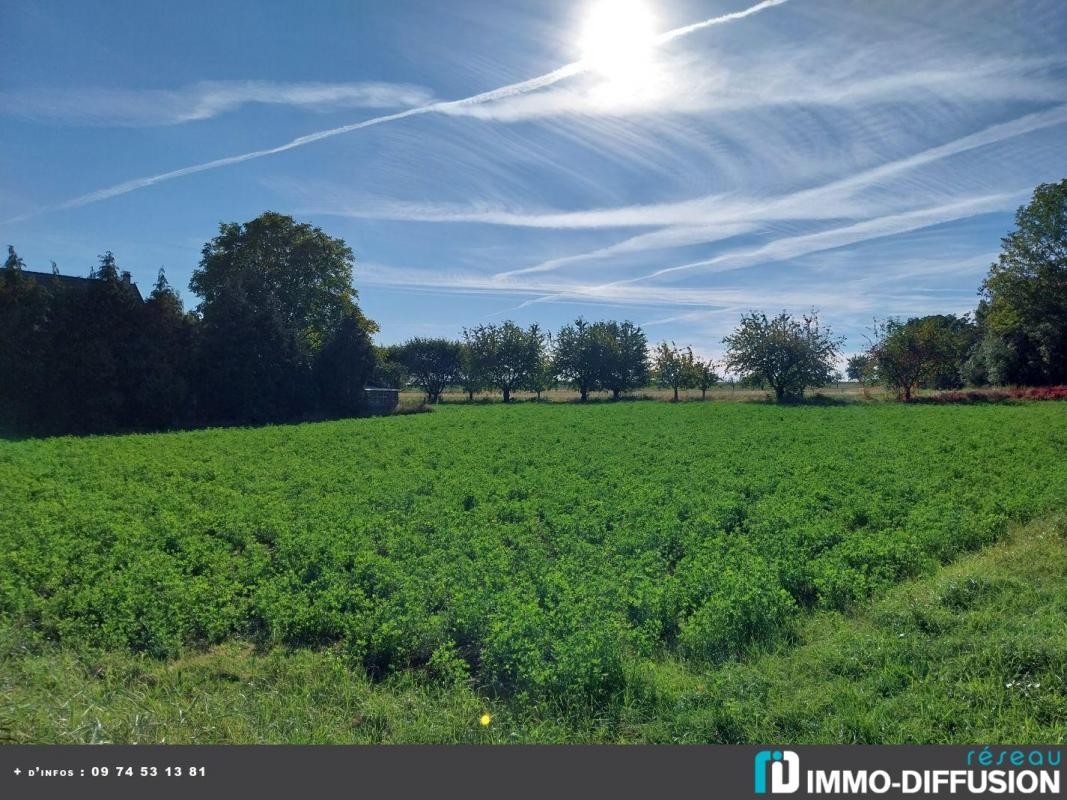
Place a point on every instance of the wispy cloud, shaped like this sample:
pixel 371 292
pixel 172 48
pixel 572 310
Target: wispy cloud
pixel 832 200
pixel 446 107
pixel 790 247
pixel 462 282
pixel 905 284
pixel 794 79
pixel 199 101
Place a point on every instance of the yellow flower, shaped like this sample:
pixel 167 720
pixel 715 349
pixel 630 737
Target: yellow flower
pixel 485 719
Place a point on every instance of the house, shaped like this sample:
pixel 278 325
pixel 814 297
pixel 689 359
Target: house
pixel 47 280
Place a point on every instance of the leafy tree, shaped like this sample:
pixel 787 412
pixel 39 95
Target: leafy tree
pixel 579 357
pixel 163 350
pixel 93 354
pixel 924 351
pixel 283 267
pixel 273 292
pixel 674 368
pixel 254 367
pixel 957 337
pixel 1008 358
pixel 901 356
pixel 24 315
pixel 388 371
pixel 433 364
pixel 860 367
pixel 107 269
pixel 343 367
pixel 705 376
pixel 863 369
pixel 469 377
pixel 544 377
pixel 1025 293
pixel 505 355
pixel 790 355
pixel 624 353
pixel 13 265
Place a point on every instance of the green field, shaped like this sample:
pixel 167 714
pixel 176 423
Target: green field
pixel 626 572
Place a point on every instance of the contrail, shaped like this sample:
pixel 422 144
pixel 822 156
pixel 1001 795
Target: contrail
pixel 511 90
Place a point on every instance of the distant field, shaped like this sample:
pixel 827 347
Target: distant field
pixel 569 567
pixel 838 391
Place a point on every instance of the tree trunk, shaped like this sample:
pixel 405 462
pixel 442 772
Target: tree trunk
pixel 615 394
pixel 470 396
pixel 584 393
pixel 703 393
pixel 675 394
pixel 507 395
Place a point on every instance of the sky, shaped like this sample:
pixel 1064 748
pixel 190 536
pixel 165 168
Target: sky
pixel 676 163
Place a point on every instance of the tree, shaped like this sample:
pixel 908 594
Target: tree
pixel 273 293
pixel 1025 293
pixel 705 376
pixel 674 368
pixel 579 357
pixel 433 364
pixel 505 355
pixel 1007 358
pixel 253 366
pixel 860 367
pixel 13 265
pixel 788 354
pixel 624 353
pixel 956 337
pixel 293 269
pixel 543 377
pixel 95 365
pixel 924 351
pixel 469 377
pixel 342 368
pixel 388 371
pixel 863 369
pixel 900 356
pixel 24 371
pixel 163 350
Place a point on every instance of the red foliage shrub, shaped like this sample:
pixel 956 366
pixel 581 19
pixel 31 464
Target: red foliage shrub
pixel 1041 393
pixel 998 395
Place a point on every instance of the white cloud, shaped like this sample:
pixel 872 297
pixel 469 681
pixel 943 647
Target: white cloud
pixel 714 215
pixel 200 101
pixel 441 107
pixel 790 247
pixel 683 84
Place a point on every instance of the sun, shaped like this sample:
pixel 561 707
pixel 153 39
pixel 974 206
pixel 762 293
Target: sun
pixel 618 39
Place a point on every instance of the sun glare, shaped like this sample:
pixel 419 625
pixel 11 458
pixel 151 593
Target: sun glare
pixel 618 39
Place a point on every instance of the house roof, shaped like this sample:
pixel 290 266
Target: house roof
pixel 75 283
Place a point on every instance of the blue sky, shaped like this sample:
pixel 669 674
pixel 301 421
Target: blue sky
pixel 861 158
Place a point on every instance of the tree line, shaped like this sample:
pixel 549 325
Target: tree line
pixel 277 336
pixel 1017 336
pixel 590 357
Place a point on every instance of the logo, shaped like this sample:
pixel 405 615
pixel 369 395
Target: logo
pixel 784 769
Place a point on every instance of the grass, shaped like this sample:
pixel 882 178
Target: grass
pixel 614 572
pixel 975 653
